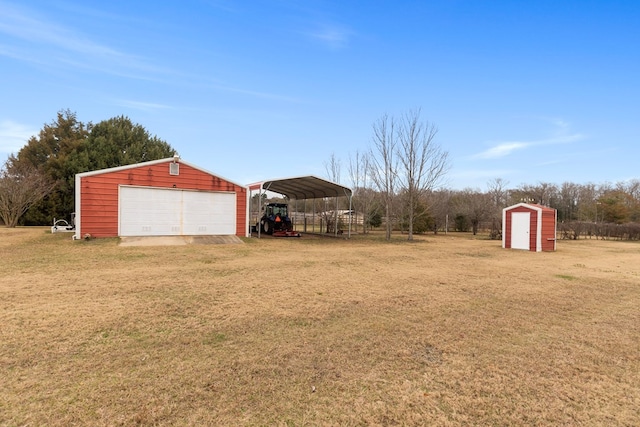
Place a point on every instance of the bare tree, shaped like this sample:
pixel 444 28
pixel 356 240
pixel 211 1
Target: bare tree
pixel 384 165
pixel 360 180
pixel 568 202
pixel 631 191
pixel 21 186
pixel 497 191
pixel 633 188
pixel 333 168
pixel 439 203
pixel 475 205
pixel 588 204
pixel 543 193
pixel 423 161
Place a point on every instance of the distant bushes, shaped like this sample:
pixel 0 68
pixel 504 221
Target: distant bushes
pixel 574 230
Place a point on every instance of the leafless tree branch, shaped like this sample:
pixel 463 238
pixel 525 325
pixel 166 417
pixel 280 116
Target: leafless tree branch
pixel 21 186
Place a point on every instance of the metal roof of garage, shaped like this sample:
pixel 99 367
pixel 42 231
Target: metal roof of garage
pixel 303 187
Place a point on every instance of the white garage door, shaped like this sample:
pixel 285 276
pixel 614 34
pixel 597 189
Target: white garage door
pixel 168 212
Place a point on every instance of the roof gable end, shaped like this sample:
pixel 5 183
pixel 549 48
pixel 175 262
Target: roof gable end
pixel 151 163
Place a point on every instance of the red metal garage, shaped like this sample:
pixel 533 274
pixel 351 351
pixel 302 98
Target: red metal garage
pixel 159 198
pixel 529 227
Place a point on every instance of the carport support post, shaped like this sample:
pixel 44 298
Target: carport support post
pixel 335 217
pixel 313 215
pixel 250 214
pixel 258 225
pixel 350 218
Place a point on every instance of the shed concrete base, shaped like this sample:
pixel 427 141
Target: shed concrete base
pixel 178 240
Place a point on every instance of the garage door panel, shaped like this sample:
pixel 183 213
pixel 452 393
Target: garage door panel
pixel 209 213
pixel 161 212
pixel 145 212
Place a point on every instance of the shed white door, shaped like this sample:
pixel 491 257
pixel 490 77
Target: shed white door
pixel 520 230
pixel 168 212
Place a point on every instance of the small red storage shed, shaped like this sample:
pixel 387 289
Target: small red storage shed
pixel 166 197
pixel 530 227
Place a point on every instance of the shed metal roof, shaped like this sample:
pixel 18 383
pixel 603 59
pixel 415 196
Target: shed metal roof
pixel 534 206
pixel 303 187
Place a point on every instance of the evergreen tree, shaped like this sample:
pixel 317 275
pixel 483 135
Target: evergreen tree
pixel 118 142
pixel 48 153
pixel 67 147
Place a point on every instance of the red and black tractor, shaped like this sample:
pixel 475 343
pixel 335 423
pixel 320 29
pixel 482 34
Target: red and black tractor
pixel 275 221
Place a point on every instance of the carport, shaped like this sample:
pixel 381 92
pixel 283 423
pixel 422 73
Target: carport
pixel 301 188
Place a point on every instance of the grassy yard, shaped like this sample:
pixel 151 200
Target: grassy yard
pixel 446 330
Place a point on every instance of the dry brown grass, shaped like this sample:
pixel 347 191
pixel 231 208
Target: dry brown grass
pixel 443 331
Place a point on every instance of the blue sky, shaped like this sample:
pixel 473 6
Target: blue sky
pixel 526 91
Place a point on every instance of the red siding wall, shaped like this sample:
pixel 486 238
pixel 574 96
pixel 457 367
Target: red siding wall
pixel 99 194
pixel 507 230
pixel 548 231
pixel 533 226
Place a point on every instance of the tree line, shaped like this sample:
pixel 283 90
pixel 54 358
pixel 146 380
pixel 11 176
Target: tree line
pixel 402 165
pixel 398 182
pixel 37 183
pixel 584 210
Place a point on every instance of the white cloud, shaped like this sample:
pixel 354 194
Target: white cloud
pixel 560 136
pixel 472 178
pixel 14 136
pixel 561 124
pixel 13 53
pixel 331 35
pixel 253 93
pixel 139 105
pixel 21 24
pixel 481 173
pixel 501 150
pixel 49 42
pixel 551 162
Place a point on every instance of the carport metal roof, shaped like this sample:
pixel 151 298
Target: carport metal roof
pixel 303 187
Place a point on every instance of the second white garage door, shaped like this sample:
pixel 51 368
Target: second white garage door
pixel 167 212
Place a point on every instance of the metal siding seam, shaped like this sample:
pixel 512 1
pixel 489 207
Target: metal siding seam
pixel 555 230
pixel 504 228
pixel 78 195
pixel 119 209
pixel 247 200
pixel 539 231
